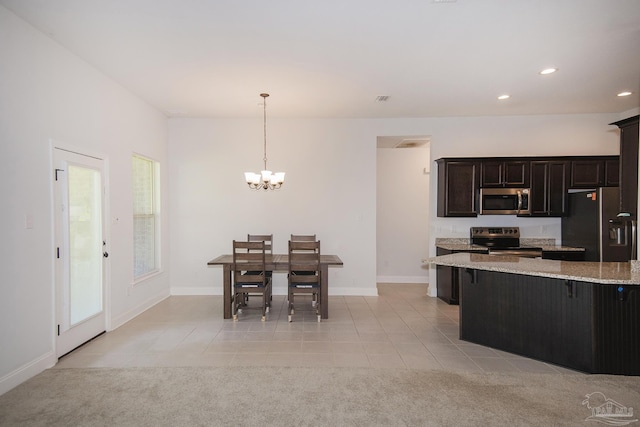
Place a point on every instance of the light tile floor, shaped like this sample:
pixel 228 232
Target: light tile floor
pixel 400 328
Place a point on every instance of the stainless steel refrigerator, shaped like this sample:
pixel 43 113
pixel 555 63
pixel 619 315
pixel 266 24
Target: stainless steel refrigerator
pixel 593 223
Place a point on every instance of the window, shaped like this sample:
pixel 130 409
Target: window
pixel 146 217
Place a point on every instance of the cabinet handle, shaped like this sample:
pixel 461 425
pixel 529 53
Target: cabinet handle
pixel 571 288
pixel 474 275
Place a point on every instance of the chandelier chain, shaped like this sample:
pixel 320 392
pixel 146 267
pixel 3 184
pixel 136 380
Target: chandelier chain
pixel 264 121
pixel 265 180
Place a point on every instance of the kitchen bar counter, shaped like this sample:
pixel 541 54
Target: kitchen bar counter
pixel 562 312
pixel 616 273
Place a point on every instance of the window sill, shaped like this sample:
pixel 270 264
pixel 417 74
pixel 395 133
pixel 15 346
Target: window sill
pixel 144 278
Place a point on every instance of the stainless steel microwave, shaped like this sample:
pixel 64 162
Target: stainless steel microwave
pixel 505 201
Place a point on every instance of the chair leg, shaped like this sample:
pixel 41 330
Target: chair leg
pixel 318 307
pixel 235 306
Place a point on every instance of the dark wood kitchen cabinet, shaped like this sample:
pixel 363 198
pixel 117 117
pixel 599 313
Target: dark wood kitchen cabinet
pixel 458 187
pixel 549 186
pixel 512 173
pixel 592 172
pixel 448 278
pixel 628 165
pixel 612 172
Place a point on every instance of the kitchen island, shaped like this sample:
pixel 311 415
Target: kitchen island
pixel 581 315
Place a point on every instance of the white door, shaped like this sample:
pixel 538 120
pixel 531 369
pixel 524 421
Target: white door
pixel 80 248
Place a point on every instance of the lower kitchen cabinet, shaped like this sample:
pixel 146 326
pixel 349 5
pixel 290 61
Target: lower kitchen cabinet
pixel 448 278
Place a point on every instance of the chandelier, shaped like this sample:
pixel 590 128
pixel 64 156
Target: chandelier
pixel 266 179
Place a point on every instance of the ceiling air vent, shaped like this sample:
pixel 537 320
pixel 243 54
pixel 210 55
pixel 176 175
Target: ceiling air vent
pixel 411 143
pixel 382 98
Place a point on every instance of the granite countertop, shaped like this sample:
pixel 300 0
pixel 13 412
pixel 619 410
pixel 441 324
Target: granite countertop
pixel 462 244
pixel 618 273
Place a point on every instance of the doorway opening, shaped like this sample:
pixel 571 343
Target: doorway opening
pixel 402 208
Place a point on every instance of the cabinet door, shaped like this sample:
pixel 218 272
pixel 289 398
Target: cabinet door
pixel 587 173
pixel 549 184
pixel 557 193
pixel 458 188
pixel 629 168
pixel 508 173
pixel 516 173
pixel 612 172
pixel 538 196
pixel 491 173
pixel 447 280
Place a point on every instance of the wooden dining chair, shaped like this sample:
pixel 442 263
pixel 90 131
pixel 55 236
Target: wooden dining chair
pixel 266 238
pixel 268 244
pixel 249 276
pixel 303 238
pixel 304 273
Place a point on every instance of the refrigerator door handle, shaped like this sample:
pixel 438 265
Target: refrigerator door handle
pixel 634 245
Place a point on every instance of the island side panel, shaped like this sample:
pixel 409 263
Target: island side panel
pixel 542 318
pixel 617 329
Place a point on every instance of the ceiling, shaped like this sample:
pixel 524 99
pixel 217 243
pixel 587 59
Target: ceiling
pixel 333 58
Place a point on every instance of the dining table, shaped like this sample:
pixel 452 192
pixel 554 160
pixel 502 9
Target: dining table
pixel 277 263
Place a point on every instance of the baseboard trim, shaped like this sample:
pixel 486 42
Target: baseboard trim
pixel 195 291
pixel 31 369
pixel 402 279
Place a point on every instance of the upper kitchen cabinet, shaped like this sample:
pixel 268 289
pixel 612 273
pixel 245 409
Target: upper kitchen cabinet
pixel 504 173
pixel 549 186
pixel 591 172
pixel 629 165
pixel 458 187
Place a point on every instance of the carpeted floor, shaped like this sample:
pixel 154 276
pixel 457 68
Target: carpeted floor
pixel 274 396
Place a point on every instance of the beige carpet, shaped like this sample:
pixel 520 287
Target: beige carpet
pixel 273 396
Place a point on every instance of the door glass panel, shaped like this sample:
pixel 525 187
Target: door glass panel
pixel 85 243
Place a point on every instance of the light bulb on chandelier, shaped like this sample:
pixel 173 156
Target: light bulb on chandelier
pixel 266 179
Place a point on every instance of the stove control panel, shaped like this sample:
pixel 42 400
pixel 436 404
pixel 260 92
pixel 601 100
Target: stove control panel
pixel 495 232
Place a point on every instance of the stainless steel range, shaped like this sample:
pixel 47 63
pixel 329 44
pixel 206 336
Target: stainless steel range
pixel 502 241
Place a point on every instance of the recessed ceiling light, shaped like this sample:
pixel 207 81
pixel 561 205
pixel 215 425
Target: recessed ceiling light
pixel 501 97
pixel 626 93
pixel 548 71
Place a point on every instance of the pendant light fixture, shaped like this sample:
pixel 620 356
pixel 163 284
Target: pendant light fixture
pixel 265 180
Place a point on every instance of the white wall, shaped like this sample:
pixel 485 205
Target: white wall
pixel 328 164
pixel 46 94
pixel 402 214
pixel 329 191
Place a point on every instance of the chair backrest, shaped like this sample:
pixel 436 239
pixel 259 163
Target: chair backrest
pixel 304 262
pixel 303 238
pixel 266 238
pixel 249 262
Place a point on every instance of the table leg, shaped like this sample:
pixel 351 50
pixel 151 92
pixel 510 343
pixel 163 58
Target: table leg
pixel 226 290
pixel 324 290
